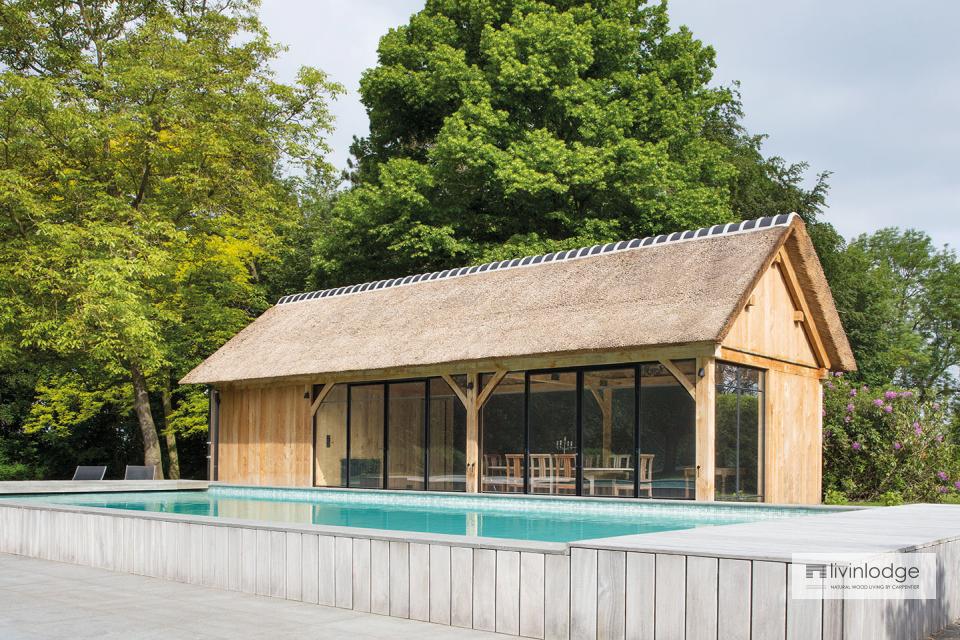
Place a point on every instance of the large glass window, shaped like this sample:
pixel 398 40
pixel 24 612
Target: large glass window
pixel 609 410
pixel 330 445
pixel 448 437
pixel 405 434
pixel 502 426
pixel 366 435
pixel 392 424
pixel 739 433
pixel 667 460
pixel 552 419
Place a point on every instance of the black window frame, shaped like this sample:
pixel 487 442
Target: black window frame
pixel 761 395
pixel 385 384
pixel 637 422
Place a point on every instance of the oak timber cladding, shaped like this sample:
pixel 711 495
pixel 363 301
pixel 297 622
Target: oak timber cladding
pixel 767 326
pixel 266 436
pixel 771 327
pixel 793 438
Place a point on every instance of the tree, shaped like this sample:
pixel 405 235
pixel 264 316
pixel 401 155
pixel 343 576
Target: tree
pixel 505 127
pixel 899 299
pixel 144 146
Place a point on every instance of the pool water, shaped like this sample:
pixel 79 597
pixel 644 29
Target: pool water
pixel 526 518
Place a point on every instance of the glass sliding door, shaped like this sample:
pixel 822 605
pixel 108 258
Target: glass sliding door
pixel 552 427
pixel 739 433
pixel 502 435
pixel 609 413
pixel 406 428
pixel 366 426
pixel 667 433
pixel 447 437
pixel 330 439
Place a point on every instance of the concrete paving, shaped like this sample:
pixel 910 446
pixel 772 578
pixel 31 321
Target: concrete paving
pixel 43 599
pixel 97 486
pixel 950 633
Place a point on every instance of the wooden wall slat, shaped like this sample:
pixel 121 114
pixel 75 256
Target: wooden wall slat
pixel 701 594
pixel 733 597
pixel 484 589
pixel 769 600
pixel 670 607
pixel 461 587
pixel 400 579
pixel 532 595
pixel 380 577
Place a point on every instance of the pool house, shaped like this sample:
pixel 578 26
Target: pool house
pixel 684 366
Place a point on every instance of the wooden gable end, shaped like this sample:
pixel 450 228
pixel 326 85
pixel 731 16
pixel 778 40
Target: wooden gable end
pixel 776 322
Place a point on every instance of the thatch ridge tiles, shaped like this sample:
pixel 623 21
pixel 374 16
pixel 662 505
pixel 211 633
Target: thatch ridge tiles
pixel 571 254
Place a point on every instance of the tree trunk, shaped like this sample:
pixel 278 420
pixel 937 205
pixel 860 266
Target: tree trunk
pixel 173 459
pixel 148 429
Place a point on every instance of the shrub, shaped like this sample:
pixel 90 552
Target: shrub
pixel 834 496
pixel 16 470
pixel 890 499
pixel 885 444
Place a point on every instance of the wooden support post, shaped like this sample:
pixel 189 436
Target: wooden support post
pixel 706 428
pixel 473 433
pixel 606 412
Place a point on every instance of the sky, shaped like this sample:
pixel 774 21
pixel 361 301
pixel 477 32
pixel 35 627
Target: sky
pixel 867 90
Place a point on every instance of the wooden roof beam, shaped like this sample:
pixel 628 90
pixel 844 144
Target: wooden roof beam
pixel 490 386
pixel 455 387
pixel 680 376
pixel 324 391
pixel 800 303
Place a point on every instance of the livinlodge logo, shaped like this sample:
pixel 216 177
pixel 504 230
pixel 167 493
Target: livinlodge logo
pixel 903 576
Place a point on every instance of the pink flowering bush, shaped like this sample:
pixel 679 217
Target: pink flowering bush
pixel 883 443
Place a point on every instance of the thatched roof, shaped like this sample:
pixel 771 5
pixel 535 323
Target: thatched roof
pixel 669 290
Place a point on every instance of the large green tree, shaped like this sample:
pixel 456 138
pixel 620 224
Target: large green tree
pixel 145 155
pixel 899 297
pixel 504 127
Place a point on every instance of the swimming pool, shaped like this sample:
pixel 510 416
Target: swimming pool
pixel 523 518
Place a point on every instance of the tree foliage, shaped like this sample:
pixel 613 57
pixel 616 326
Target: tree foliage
pixel 899 299
pixel 505 127
pixel 145 160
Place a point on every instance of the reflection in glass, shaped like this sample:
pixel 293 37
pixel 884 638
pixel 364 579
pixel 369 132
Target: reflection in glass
pixel 331 439
pixel 366 436
pixel 448 437
pixel 502 439
pixel 609 414
pixel 739 433
pixel 668 432
pixel 552 416
pixel 405 434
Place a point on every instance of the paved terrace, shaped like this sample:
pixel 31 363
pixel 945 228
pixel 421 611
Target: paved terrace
pixel 863 531
pixel 97 486
pixel 43 599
